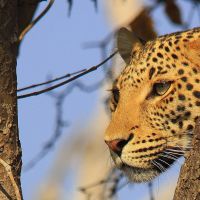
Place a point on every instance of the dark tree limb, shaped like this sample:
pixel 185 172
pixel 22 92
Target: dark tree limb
pixel 50 81
pixel 31 24
pixel 10 149
pixel 188 187
pixel 26 11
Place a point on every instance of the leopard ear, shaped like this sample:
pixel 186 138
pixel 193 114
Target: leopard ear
pixel 192 50
pixel 127 43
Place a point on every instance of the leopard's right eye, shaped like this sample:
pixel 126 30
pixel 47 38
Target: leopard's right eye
pixel 160 89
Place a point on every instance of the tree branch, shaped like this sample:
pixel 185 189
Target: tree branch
pixel 68 80
pixel 23 33
pixel 50 81
pixel 188 187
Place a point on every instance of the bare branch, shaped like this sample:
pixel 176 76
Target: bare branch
pixel 50 81
pixel 150 186
pixel 60 97
pixel 95 4
pixel 54 138
pixel 70 4
pixel 110 183
pixel 23 33
pixel 60 123
pixel 67 81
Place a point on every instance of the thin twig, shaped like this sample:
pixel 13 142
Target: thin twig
pixel 60 123
pixel 50 81
pixel 112 178
pixel 60 97
pixel 150 186
pixel 54 138
pixel 102 45
pixel 23 33
pixel 67 81
pixel 115 187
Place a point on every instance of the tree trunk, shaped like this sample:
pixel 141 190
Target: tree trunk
pixel 188 187
pixel 10 150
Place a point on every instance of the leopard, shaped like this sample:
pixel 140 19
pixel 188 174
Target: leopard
pixel 154 103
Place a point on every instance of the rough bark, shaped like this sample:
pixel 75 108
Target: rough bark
pixel 10 150
pixel 188 187
pixel 14 17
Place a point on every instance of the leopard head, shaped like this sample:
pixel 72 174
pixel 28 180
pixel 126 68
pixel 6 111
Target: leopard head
pixel 155 102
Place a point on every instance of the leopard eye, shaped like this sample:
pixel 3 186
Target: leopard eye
pixel 116 95
pixel 161 88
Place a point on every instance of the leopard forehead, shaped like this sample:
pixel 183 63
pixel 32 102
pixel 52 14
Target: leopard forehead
pixel 159 57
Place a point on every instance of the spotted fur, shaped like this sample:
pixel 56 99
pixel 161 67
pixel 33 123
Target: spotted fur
pixel 160 125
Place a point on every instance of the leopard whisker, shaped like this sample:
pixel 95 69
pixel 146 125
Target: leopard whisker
pixel 159 166
pixel 174 153
pixel 170 156
pixel 183 148
pixel 163 161
pixel 174 150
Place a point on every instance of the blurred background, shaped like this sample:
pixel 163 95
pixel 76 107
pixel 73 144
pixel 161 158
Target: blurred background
pixel 61 132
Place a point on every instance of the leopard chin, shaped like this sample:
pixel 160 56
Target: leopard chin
pixel 139 174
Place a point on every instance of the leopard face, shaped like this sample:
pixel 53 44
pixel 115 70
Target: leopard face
pixel 155 102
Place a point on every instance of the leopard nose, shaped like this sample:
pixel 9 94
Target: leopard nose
pixel 118 144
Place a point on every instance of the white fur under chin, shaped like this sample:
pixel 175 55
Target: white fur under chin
pixel 139 175
pixel 135 174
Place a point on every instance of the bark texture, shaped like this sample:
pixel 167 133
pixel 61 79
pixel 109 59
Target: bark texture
pixel 10 150
pixel 188 187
